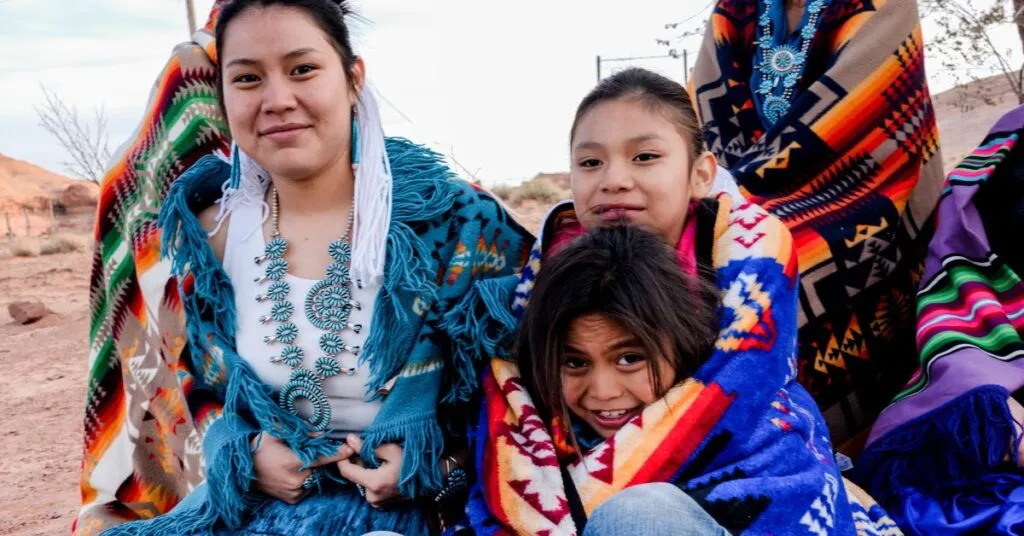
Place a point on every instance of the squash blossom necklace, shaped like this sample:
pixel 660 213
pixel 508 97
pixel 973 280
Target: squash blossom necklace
pixel 328 306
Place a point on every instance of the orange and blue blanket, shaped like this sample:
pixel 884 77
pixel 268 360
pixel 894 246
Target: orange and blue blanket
pixel 740 436
pixel 853 170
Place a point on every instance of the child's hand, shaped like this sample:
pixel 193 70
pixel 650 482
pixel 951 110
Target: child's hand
pixel 380 484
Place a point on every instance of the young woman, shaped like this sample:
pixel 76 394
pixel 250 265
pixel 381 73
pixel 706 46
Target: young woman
pixel 330 294
pixel 617 389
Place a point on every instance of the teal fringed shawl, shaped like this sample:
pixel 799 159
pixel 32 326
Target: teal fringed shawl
pixel 446 241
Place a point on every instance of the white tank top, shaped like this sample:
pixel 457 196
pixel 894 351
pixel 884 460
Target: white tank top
pixel 350 412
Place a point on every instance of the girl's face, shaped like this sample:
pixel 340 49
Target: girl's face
pixel 286 93
pixel 631 163
pixel 606 378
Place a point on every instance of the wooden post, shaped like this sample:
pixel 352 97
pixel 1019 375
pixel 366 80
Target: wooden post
pixel 686 66
pixel 191 9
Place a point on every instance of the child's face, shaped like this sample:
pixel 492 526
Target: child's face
pixel 631 163
pixel 605 375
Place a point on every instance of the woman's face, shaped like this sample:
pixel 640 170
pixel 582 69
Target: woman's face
pixel 605 376
pixel 631 163
pixel 287 95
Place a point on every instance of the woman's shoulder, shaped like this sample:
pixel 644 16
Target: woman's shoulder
pixel 208 220
pixel 191 203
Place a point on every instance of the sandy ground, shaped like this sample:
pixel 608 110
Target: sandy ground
pixel 42 388
pixel 43 393
pixel 962 128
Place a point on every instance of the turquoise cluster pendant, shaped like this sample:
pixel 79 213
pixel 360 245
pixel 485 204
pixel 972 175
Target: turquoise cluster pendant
pixel 782 65
pixel 328 306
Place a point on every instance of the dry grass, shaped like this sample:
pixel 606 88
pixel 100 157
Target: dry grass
pixel 25 247
pixel 66 243
pixel 61 243
pixel 537 189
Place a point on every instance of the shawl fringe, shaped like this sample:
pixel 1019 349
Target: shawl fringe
pixel 956 442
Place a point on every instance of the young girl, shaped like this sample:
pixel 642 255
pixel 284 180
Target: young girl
pixel 595 356
pixel 615 384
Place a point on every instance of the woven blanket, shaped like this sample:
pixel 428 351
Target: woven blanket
pixel 741 436
pixel 853 170
pixel 936 455
pixel 170 403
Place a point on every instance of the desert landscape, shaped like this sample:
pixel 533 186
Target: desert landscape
pixel 45 258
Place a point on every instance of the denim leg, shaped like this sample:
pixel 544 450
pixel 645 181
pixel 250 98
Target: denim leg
pixel 658 508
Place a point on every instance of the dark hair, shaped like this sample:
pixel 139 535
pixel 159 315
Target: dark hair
pixel 631 276
pixel 329 15
pixel 656 91
pixel 1000 202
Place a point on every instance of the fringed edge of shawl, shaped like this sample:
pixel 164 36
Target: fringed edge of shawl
pixel 422 443
pixel 958 441
pixel 478 326
pixel 185 243
pixel 424 190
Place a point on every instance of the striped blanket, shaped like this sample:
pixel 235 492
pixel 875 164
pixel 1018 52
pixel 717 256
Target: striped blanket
pixel 740 436
pixel 936 455
pixel 853 170
pixel 140 458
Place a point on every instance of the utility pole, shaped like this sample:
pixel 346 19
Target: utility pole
pixel 191 9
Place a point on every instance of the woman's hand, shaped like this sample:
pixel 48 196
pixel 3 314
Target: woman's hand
pixel 277 469
pixel 381 484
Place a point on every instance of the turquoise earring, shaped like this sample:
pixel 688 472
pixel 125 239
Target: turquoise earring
pixel 236 168
pixel 355 140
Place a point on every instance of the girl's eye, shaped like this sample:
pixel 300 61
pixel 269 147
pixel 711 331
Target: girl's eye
pixel 245 79
pixel 646 157
pixel 303 69
pixel 590 163
pixel 574 363
pixel 628 360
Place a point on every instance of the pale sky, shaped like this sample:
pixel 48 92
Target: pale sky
pixel 495 84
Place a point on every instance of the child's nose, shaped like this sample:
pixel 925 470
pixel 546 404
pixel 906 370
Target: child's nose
pixel 605 387
pixel 617 178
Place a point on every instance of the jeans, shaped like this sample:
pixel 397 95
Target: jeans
pixel 657 509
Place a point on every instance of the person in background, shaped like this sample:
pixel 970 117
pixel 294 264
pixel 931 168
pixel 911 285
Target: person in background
pixel 946 456
pixel 821 112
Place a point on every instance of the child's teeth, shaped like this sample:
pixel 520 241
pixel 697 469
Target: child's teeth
pixel 613 414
